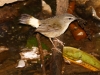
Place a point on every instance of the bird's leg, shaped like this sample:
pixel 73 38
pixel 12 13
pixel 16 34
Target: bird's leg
pixel 55 46
pixel 52 42
pixel 59 41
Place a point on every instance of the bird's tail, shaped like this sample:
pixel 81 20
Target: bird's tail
pixel 30 20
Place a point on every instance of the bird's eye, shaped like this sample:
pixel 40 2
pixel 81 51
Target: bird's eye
pixel 69 18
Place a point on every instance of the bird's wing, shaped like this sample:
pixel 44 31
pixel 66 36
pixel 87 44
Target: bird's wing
pixel 48 27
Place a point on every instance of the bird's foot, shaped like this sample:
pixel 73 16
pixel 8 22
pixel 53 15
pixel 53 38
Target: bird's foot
pixel 57 49
pixel 59 41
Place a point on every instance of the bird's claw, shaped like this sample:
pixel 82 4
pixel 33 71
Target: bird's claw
pixel 59 42
pixel 57 49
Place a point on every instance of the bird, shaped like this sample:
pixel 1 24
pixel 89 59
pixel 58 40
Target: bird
pixel 51 27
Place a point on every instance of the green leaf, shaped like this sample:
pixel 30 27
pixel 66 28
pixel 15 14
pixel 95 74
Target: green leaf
pixel 32 41
pixel 76 54
pixel 44 46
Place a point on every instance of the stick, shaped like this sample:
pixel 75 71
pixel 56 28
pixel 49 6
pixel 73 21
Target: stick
pixel 41 54
pixel 56 65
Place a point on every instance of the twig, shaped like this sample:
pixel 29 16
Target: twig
pixel 41 54
pixel 56 65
